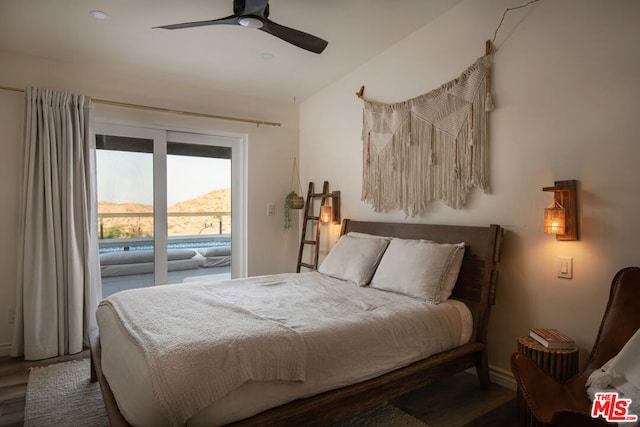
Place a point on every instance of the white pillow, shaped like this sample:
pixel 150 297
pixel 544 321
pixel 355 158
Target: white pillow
pixel 354 259
pixel 367 236
pixel 417 268
pixel 452 274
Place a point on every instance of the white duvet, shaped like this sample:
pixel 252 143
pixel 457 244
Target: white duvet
pixel 191 325
pixel 350 334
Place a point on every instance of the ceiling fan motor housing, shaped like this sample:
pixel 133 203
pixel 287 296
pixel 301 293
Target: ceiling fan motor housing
pixel 239 7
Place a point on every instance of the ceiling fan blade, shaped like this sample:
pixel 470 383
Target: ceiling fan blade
pixel 295 37
pixel 254 14
pixel 229 20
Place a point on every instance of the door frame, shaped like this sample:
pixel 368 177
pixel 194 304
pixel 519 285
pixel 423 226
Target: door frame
pixel 239 217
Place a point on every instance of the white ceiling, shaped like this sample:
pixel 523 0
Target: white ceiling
pixel 219 57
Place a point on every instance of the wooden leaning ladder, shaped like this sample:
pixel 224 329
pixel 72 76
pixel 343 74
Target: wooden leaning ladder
pixel 309 217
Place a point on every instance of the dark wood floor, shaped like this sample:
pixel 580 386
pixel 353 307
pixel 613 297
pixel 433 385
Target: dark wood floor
pixel 457 401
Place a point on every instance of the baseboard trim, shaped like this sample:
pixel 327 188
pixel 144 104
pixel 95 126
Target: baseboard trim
pixel 502 377
pixel 499 376
pixel 5 349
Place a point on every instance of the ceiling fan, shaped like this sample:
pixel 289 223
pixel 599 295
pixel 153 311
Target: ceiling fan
pixel 254 14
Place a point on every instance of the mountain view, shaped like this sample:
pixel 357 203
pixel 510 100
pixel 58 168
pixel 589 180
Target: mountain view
pixel 139 219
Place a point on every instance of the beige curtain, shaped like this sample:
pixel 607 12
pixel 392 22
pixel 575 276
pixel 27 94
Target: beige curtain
pixel 58 267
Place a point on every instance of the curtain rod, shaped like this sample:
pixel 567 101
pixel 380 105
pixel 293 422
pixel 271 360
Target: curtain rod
pixel 167 110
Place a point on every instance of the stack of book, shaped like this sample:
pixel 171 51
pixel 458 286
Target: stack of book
pixel 551 338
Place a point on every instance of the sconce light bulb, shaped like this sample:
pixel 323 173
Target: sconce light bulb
pixel 325 213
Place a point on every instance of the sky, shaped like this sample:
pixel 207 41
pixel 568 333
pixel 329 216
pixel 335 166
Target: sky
pixel 127 177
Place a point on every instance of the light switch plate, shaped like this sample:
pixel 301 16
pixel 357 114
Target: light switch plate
pixel 271 209
pixel 565 267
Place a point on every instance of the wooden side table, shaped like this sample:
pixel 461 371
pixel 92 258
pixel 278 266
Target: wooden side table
pixel 559 363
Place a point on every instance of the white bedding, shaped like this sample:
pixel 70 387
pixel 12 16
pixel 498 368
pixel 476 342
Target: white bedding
pixel 199 329
pixel 351 334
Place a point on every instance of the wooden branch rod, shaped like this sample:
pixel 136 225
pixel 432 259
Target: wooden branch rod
pixel 487 47
pixel 487 51
pixel 168 110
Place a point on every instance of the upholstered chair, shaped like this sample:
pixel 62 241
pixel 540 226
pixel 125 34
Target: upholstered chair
pixel 566 403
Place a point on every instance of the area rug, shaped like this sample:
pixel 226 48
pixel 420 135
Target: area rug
pixel 384 415
pixel 62 395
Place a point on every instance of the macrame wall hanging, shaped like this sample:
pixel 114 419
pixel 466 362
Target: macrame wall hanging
pixel 432 147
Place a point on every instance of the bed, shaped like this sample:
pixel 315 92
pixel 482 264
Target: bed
pixel 327 386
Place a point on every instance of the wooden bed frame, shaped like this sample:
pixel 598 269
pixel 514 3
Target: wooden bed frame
pixel 476 286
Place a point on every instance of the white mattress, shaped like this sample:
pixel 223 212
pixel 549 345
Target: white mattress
pixel 351 334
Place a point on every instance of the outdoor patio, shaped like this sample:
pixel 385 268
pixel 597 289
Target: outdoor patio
pixel 111 285
pixel 129 263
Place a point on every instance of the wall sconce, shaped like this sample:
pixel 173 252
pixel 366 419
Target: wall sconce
pixel 561 216
pixel 331 211
pixel 554 216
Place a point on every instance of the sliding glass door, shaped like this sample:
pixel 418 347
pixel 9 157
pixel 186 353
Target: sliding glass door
pixel 125 211
pixel 170 207
pixel 198 212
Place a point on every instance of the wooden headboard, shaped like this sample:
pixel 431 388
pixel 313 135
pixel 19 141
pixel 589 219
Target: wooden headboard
pixel 478 274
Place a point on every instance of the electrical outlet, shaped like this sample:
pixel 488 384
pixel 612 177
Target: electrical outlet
pixel 565 267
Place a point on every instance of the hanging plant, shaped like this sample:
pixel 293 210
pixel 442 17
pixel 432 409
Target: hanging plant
pixel 297 202
pixel 288 205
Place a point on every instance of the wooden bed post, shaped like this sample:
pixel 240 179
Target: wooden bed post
pixel 492 257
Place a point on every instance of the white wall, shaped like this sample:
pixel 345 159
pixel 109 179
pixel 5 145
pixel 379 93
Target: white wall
pixel 566 91
pixel 270 151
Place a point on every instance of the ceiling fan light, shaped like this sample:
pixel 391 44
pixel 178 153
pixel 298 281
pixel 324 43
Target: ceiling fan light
pixel 250 22
pixel 99 15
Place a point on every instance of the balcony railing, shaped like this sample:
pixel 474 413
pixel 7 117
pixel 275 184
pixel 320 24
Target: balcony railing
pixel 141 233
